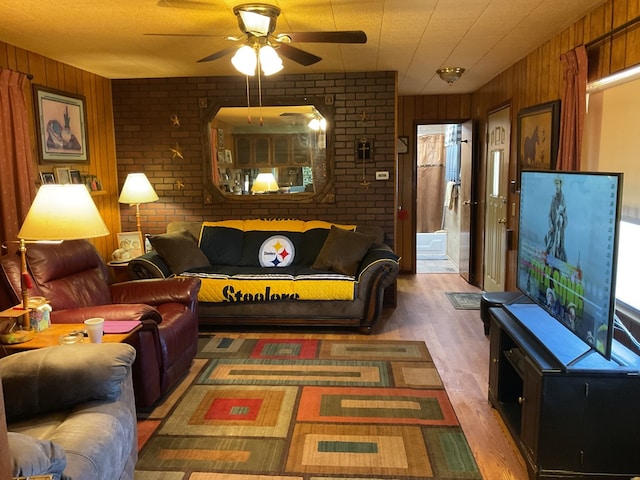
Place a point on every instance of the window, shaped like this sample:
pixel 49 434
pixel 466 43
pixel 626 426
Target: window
pixel 609 145
pixel 628 265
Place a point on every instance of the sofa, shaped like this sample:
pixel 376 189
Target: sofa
pixel 70 411
pixel 74 279
pixel 276 272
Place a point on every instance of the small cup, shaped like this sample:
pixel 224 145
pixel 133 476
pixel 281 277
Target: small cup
pixel 94 329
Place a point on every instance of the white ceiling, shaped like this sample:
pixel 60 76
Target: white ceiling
pixel 413 37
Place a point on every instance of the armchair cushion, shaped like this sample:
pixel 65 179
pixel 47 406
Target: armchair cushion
pixel 179 250
pixel 46 381
pixel 31 456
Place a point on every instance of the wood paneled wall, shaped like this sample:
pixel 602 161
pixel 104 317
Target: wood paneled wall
pixel 535 79
pixel 100 134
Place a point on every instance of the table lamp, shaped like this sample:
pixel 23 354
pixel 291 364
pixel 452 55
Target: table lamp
pixel 136 190
pixel 59 212
pixel 264 183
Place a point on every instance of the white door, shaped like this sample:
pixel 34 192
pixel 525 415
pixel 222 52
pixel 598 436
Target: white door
pixel 495 236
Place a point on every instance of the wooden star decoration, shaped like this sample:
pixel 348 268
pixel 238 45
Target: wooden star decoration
pixel 176 152
pixel 365 184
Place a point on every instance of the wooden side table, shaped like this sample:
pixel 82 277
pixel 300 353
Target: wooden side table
pixel 50 337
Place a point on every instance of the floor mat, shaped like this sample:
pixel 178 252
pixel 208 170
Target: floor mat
pixel 464 300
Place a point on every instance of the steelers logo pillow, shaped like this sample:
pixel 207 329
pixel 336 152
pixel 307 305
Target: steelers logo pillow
pixel 276 251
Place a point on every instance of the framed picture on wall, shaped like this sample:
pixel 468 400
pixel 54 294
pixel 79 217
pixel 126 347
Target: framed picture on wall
pixel 538 134
pixel 61 126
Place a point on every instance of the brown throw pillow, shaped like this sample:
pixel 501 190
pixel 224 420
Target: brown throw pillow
pixel 343 250
pixel 179 250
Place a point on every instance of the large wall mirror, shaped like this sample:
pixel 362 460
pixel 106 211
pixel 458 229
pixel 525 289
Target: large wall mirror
pixel 277 152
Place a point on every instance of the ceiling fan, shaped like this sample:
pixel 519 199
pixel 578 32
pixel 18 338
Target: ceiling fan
pixel 258 22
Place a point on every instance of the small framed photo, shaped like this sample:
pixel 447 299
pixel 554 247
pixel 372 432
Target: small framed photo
pixel 221 158
pixel 75 176
pixel 228 157
pixel 130 244
pixel 220 138
pixel 147 244
pixel 47 178
pixel 63 175
pixel 61 126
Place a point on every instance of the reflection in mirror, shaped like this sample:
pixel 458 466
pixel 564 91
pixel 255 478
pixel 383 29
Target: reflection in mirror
pixel 286 141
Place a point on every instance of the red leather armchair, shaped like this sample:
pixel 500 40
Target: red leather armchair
pixel 75 280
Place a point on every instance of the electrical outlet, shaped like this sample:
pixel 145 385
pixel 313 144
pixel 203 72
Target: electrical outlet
pixel 382 175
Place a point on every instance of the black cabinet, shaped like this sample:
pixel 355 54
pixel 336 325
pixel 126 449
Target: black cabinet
pixel 581 421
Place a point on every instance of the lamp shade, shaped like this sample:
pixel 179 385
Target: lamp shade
pixel 264 182
pixel 270 62
pixel 137 189
pixel 63 212
pixel 245 60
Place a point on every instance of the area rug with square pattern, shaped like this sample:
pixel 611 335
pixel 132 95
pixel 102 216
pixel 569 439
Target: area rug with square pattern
pixel 264 408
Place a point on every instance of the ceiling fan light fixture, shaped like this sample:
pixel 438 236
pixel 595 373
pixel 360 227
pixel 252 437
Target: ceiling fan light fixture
pixel 256 18
pixel 450 74
pixel 270 62
pixel 245 60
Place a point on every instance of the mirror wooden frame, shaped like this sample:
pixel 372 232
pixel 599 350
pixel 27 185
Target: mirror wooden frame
pixel 213 194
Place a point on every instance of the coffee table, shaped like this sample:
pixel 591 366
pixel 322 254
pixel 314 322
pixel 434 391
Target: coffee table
pixel 50 337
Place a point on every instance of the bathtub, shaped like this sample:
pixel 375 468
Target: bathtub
pixel 431 246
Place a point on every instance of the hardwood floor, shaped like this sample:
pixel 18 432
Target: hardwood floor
pixel 459 349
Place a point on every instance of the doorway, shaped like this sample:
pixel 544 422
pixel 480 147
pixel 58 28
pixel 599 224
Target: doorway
pixel 438 167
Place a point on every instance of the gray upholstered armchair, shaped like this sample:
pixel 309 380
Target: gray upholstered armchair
pixel 70 411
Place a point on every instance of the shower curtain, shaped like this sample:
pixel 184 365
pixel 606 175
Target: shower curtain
pixel 431 183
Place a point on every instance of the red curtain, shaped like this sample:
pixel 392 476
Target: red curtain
pixel 17 187
pixel 574 99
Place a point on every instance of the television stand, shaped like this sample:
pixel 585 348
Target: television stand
pixel 570 420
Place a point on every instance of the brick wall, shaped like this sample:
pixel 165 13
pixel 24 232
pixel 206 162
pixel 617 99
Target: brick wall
pixel 144 137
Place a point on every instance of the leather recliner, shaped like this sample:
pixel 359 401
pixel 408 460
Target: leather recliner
pixel 74 279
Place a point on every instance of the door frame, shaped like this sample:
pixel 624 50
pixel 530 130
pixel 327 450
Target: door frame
pixel 474 275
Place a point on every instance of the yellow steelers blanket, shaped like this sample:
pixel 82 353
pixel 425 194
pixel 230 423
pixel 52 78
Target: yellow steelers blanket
pixel 274 287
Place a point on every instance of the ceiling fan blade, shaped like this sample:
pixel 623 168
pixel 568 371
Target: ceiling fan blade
pixel 346 36
pixel 297 55
pixel 180 35
pixel 217 55
pixel 193 4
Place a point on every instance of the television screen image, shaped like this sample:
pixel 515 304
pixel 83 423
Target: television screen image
pixel 567 249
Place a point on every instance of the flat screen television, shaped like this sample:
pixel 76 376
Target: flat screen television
pixel 567 248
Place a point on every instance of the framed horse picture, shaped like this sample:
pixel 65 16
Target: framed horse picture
pixel 538 134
